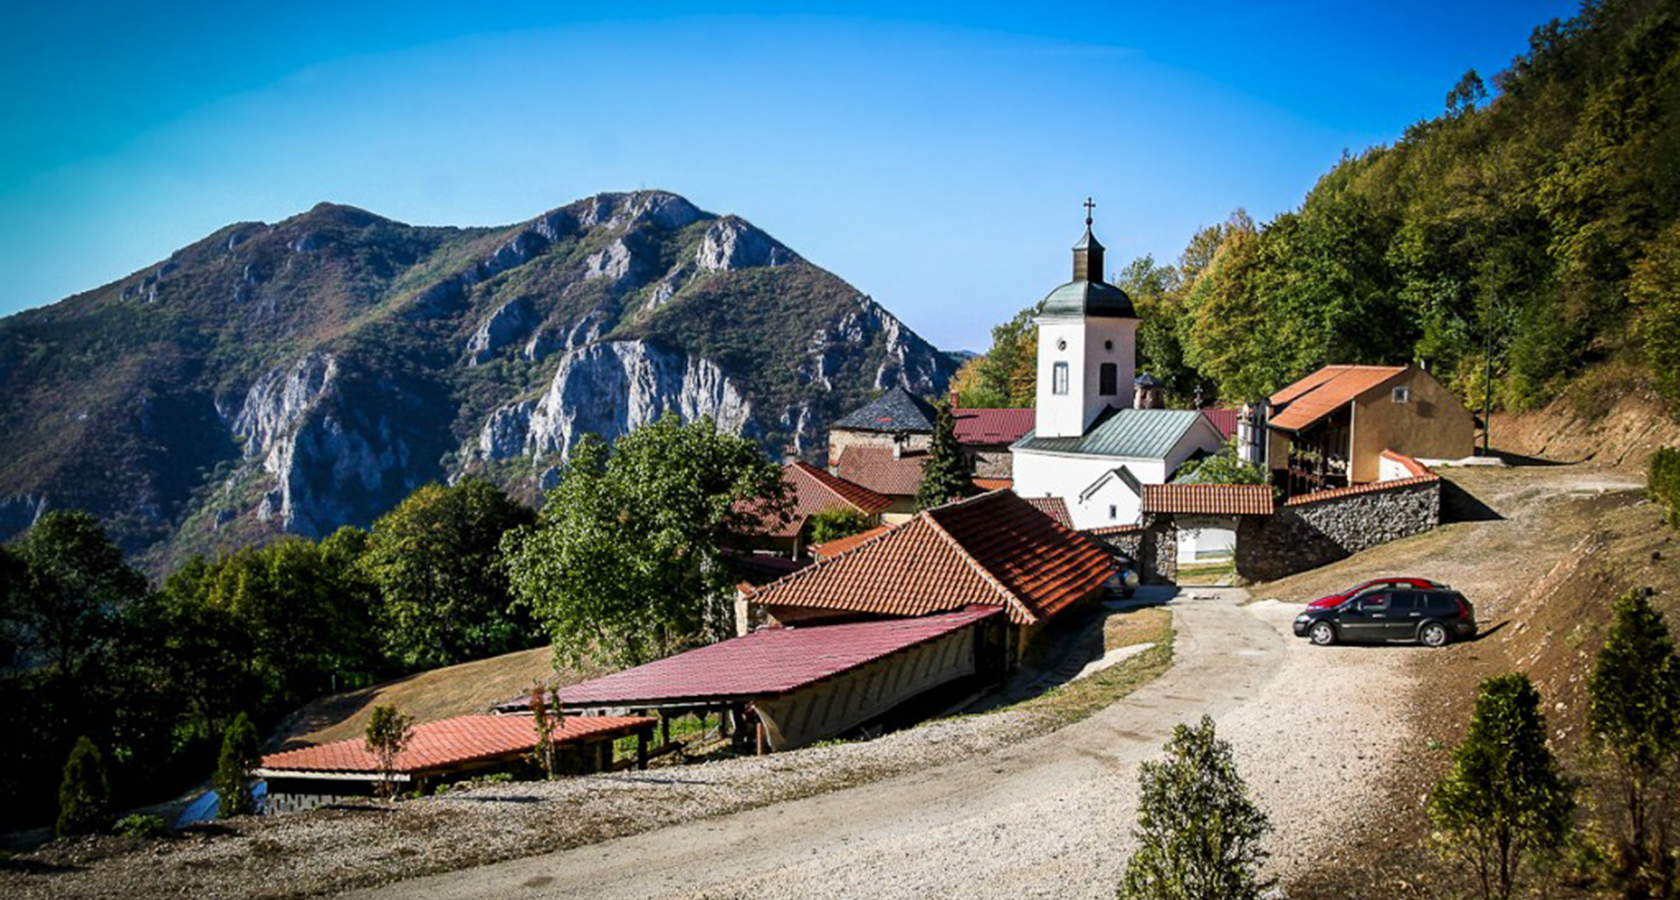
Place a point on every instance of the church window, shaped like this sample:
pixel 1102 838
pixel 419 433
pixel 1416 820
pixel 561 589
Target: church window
pixel 1113 512
pixel 1108 380
pixel 1059 378
pixel 1402 394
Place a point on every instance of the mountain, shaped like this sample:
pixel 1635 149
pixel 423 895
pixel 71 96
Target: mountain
pixel 309 374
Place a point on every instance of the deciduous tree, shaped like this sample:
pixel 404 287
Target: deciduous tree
pixel 387 736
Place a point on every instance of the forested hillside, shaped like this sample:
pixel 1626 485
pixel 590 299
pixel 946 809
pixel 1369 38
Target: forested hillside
pixel 1538 216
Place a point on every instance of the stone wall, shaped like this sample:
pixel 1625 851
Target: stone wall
pixel 1153 549
pixel 841 438
pixel 1311 531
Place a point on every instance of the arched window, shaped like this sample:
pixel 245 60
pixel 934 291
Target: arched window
pixel 1108 380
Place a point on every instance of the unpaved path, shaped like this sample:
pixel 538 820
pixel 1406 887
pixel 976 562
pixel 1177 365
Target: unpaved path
pixel 1050 817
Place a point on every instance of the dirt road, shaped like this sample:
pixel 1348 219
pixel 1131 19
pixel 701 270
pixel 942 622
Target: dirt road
pixel 1047 818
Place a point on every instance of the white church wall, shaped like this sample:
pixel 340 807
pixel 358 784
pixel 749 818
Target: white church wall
pixel 1067 476
pixel 1083 346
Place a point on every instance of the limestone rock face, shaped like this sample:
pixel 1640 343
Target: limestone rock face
pixel 611 388
pixel 507 324
pixel 733 244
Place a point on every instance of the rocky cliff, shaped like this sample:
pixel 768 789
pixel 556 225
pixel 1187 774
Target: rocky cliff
pixel 308 374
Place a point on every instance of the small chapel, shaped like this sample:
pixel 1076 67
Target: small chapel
pixel 1099 434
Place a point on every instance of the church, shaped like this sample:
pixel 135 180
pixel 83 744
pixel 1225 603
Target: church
pixel 1100 434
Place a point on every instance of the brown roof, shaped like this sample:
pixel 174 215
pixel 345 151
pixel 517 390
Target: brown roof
pixel 994 549
pixel 812 491
pixel 1411 465
pixel 1373 487
pixel 993 426
pixel 1323 392
pixel 1111 530
pixel 875 468
pixel 994 484
pixel 450 742
pixel 1054 507
pixel 1208 499
pixel 841 545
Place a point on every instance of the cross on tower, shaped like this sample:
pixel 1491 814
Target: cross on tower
pixel 1089 205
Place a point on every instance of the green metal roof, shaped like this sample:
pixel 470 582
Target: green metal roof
pixel 1129 433
pixel 1087 298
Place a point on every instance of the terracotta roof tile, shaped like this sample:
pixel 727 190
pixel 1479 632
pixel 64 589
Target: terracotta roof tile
pixel 1411 465
pixel 1054 507
pixel 875 468
pixel 813 490
pixel 841 545
pixel 767 662
pixel 992 549
pixel 994 484
pixel 993 426
pixel 1208 499
pixel 1373 487
pixel 1111 530
pixel 449 742
pixel 1321 393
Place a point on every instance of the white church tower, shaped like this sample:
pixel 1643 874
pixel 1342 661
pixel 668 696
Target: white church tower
pixel 1087 339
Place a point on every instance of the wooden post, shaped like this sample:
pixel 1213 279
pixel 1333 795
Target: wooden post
pixel 763 740
pixel 642 747
pixel 664 729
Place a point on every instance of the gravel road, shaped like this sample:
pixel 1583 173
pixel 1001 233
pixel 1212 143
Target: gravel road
pixel 1049 817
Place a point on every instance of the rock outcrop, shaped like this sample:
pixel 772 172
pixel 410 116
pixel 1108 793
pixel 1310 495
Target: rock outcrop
pixel 611 388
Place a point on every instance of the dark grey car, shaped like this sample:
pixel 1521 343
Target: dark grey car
pixel 1434 618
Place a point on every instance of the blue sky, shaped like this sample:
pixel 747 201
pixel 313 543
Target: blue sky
pixel 935 156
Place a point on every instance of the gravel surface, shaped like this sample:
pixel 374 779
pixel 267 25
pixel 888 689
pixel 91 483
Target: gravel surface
pixel 1047 817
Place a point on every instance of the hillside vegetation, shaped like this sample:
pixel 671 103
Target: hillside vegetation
pixel 1536 218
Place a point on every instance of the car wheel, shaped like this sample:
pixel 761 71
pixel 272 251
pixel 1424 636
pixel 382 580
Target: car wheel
pixel 1433 634
pixel 1323 634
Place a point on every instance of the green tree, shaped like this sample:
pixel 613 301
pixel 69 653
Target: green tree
pixel 1634 721
pixel 1662 481
pixel 76 585
pixel 1006 376
pixel 1198 831
pixel 1504 806
pixel 436 562
pixel 1655 294
pixel 387 736
pixel 84 794
pixel 837 522
pixel 1223 467
pixel 548 719
pixel 626 561
pixel 240 757
pixel 948 471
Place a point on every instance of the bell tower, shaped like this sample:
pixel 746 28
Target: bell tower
pixel 1087 331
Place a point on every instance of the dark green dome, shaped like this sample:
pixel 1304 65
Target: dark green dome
pixel 1088 298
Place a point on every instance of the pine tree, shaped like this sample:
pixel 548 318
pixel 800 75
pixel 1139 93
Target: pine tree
pixel 948 473
pixel 1634 722
pixel 1198 831
pixel 240 757
pixel 388 733
pixel 1504 805
pixel 84 796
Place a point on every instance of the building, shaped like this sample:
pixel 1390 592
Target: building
pixel 1329 429
pixel 897 421
pixel 890 471
pixel 790 687
pixel 812 491
pixel 994 549
pixel 889 437
pixel 987 434
pixel 440 752
pixel 1092 445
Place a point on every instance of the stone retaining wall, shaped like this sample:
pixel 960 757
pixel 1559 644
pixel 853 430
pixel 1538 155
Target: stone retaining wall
pixel 1307 533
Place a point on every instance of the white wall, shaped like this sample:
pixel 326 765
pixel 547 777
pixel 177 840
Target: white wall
pixel 1066 476
pixel 1087 347
pixel 1205 537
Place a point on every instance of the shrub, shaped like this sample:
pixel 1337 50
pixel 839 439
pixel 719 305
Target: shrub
pixel 1198 832
pixel 1662 481
pixel 141 826
pixel 84 796
pixel 1634 721
pixel 834 524
pixel 388 732
pixel 1504 805
pixel 233 770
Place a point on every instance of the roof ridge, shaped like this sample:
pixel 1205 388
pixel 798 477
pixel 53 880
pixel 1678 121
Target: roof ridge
pixel 972 561
pixel 795 575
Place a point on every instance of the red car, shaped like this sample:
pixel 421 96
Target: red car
pixel 1376 584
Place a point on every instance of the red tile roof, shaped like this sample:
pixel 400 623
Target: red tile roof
pixel 994 484
pixel 1323 392
pixel 1054 507
pixel 1223 419
pixel 991 549
pixel 1208 499
pixel 876 469
pixel 841 545
pixel 1111 530
pixel 993 426
pixel 1373 487
pixel 813 490
pixel 1411 465
pixel 767 662
pixel 450 742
